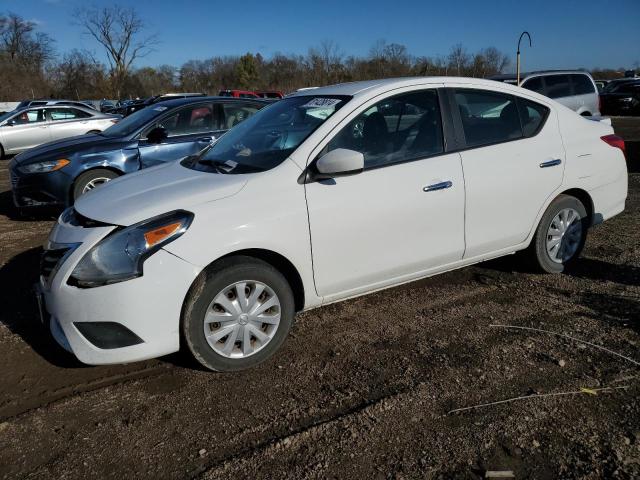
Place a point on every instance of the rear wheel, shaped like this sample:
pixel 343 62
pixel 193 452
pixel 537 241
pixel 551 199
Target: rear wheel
pixel 560 236
pixel 238 314
pixel 90 180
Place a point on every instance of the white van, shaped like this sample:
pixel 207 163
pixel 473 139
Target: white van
pixel 574 89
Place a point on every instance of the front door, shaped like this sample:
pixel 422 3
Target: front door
pixel 403 215
pixel 189 129
pixel 25 130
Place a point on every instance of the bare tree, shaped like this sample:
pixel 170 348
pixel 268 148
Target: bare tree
pixel 119 30
pixel 458 58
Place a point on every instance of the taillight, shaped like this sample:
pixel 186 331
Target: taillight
pixel 615 141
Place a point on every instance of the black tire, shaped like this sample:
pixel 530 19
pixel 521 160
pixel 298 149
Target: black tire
pixel 1 152
pixel 214 281
pixel 537 254
pixel 83 180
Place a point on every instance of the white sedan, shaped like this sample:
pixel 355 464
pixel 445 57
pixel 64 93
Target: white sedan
pixel 328 194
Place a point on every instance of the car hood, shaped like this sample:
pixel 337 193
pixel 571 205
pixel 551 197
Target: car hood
pixel 144 194
pixel 90 143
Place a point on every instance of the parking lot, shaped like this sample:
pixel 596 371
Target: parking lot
pixel 363 388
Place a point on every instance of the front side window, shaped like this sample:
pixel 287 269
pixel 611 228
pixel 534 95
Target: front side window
pixel 534 84
pixel 394 130
pixel 267 138
pixel 188 121
pixel 582 85
pixel 29 116
pixel 558 86
pixel 488 117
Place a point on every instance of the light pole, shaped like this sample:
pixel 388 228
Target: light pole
pixel 518 56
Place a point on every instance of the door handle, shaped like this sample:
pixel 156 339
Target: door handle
pixel 205 139
pixel 550 163
pixel 437 186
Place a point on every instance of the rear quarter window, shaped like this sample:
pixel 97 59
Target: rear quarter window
pixel 534 84
pixel 532 116
pixel 582 85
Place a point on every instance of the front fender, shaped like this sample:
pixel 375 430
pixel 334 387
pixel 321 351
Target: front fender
pixel 125 160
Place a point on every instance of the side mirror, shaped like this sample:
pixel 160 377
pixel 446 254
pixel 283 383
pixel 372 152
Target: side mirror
pixel 10 123
pixel 157 135
pixel 338 163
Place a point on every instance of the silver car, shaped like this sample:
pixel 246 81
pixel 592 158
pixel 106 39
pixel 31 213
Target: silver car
pixel 32 126
pixel 574 89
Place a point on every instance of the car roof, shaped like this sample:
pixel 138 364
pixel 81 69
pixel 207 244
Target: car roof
pixel 186 101
pixel 513 76
pixel 371 86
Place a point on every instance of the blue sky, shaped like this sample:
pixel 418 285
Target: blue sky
pixel 566 33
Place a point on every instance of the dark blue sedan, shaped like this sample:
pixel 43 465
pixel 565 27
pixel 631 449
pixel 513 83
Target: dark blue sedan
pixel 57 173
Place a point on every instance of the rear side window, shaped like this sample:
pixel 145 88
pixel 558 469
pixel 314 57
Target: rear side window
pixel 532 116
pixel 67 114
pixel 582 85
pixel 234 113
pixel 488 117
pixel 558 86
pixel 534 84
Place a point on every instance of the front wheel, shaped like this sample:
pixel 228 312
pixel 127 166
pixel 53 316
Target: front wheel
pixel 91 179
pixel 238 314
pixel 560 236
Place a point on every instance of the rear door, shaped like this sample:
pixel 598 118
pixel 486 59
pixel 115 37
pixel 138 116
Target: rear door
pixel 67 122
pixel 25 130
pixel 513 161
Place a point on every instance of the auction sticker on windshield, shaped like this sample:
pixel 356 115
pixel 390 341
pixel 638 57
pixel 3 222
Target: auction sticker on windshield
pixel 321 102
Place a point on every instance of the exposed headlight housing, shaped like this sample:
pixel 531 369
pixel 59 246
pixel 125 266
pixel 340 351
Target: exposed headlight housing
pixel 120 255
pixel 43 167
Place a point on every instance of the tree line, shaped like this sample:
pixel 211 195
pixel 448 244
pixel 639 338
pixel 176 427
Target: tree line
pixel 30 66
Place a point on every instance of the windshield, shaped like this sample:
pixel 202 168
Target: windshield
pixel 134 122
pixel 6 115
pixel 266 139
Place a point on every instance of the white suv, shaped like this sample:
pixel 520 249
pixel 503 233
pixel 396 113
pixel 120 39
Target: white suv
pixel 572 88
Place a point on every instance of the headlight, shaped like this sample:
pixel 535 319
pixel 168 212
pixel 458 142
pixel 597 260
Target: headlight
pixel 120 255
pixel 42 167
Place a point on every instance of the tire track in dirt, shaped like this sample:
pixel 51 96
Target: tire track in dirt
pixel 11 409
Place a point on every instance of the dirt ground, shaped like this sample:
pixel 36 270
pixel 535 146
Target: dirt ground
pixel 361 389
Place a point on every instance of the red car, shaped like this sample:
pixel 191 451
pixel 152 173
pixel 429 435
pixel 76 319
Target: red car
pixel 275 94
pixel 238 94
